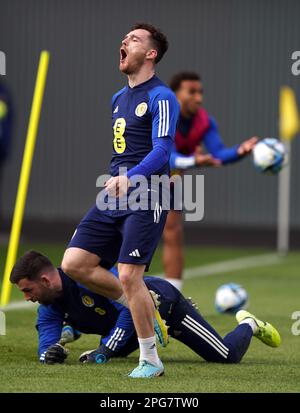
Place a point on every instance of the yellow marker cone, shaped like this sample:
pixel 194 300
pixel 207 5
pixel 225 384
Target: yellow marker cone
pixel 288 114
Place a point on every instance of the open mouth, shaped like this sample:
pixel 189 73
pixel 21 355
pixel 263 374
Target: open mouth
pixel 123 54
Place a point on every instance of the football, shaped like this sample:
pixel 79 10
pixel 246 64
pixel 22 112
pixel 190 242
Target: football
pixel 269 155
pixel 231 298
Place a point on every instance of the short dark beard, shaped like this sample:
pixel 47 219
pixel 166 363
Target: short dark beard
pixel 50 299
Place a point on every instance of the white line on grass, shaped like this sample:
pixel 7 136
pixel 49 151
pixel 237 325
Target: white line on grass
pixel 196 272
pixel 19 305
pixel 232 265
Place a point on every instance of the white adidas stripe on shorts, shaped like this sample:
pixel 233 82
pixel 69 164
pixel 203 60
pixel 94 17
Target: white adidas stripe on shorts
pixel 206 335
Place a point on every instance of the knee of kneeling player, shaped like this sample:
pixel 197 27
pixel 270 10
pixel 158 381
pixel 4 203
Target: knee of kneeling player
pixel 234 357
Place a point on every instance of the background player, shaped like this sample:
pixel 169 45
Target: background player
pixel 91 313
pixel 144 115
pixel 195 127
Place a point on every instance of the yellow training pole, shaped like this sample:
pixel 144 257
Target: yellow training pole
pixel 24 175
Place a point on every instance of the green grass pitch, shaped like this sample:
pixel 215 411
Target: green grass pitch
pixel 274 295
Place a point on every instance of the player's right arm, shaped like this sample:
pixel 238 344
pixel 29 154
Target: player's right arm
pixel 215 145
pixel 49 326
pixel 164 108
pixel 115 342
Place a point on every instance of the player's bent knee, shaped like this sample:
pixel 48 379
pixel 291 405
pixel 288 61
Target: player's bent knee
pixel 68 267
pixel 231 359
pixel 126 278
pixel 130 282
pixel 73 269
pixel 234 357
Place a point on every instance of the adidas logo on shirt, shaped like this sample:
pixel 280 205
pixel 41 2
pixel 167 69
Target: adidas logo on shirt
pixel 135 253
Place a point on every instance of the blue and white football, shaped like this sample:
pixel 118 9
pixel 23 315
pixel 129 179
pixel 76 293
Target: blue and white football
pixel 231 298
pixel 269 155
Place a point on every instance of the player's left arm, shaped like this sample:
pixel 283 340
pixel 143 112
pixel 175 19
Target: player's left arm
pixel 122 331
pixel 113 343
pixel 164 109
pixel 215 145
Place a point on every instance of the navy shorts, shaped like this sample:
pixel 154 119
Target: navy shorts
pixel 127 239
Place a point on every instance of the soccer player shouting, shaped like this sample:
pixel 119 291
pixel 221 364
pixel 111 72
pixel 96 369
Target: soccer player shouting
pixel 195 127
pixel 144 117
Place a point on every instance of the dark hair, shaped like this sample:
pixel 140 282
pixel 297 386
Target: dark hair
pixel 30 266
pixel 159 40
pixel 175 81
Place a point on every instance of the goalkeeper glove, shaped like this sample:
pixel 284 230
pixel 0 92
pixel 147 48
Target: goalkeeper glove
pixel 56 354
pixel 101 355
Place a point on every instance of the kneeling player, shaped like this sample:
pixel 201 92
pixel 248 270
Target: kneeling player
pixel 91 313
